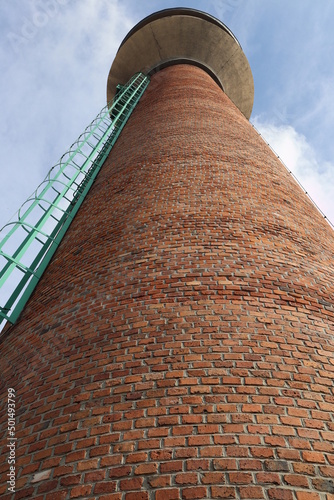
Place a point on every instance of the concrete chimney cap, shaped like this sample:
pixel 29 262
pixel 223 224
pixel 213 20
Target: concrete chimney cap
pixel 182 35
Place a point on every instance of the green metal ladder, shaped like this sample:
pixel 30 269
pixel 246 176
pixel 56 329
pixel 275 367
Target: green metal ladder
pixel 30 240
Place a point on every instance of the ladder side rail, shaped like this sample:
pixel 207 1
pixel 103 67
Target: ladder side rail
pixel 130 95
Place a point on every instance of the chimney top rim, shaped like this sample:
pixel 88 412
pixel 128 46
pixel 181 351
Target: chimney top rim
pixel 178 11
pixel 181 33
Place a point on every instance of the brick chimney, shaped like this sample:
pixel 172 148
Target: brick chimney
pixel 180 343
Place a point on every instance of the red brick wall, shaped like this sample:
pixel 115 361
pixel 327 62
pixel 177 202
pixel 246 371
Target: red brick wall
pixel 180 344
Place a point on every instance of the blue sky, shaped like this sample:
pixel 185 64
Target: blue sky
pixel 55 57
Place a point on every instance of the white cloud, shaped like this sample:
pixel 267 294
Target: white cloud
pixel 316 176
pixel 54 59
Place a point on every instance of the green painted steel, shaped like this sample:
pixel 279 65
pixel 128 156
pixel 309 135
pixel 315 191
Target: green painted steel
pixel 29 241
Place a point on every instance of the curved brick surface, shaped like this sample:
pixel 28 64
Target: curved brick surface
pixel 180 344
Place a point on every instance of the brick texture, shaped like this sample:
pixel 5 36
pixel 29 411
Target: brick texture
pixel 180 343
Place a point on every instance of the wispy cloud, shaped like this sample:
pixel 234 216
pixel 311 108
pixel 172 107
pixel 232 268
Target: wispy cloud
pixel 291 57
pixel 54 70
pixel 315 176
